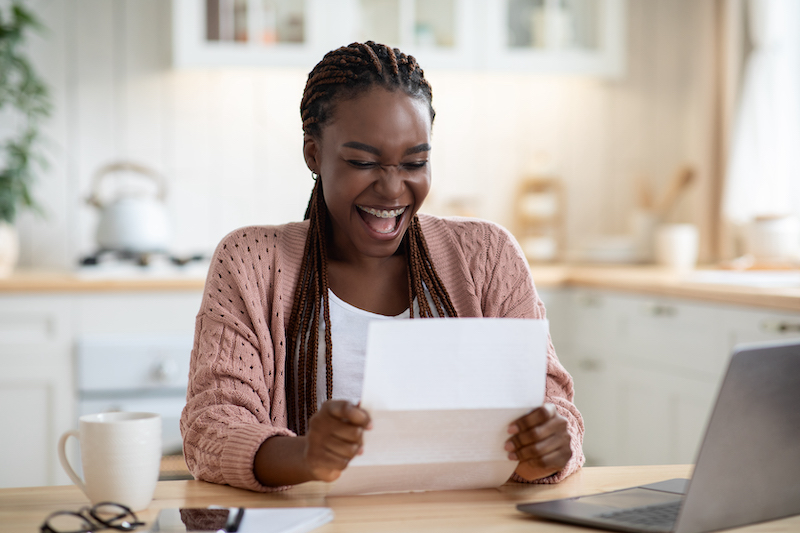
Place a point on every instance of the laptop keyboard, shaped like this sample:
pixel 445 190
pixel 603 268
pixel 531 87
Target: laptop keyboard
pixel 658 517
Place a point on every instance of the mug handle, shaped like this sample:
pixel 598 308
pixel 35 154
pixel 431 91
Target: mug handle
pixel 62 457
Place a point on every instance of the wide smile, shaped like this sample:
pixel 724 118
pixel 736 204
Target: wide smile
pixel 382 222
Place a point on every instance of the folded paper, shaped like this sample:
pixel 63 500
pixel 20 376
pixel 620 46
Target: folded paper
pixel 441 394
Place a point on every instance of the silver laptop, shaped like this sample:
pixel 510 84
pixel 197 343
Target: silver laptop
pixel 748 469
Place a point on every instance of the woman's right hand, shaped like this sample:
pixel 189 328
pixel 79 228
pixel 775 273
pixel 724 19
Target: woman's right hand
pixel 334 437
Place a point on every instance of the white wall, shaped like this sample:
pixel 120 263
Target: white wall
pixel 229 141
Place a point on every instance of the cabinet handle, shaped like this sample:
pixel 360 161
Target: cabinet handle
pixel 778 326
pixel 165 371
pixel 590 365
pixel 590 300
pixel 655 309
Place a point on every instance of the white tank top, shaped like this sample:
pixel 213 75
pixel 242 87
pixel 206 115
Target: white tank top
pixel 349 326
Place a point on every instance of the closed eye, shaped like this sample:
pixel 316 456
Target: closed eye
pixel 411 165
pixel 362 164
pixel 414 165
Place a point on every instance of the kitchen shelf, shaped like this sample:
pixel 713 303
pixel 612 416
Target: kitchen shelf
pixel 585 37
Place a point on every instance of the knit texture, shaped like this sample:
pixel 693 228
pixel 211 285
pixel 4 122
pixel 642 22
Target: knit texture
pixel 236 397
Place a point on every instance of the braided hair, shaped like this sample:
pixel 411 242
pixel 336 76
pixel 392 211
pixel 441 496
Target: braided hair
pixel 342 74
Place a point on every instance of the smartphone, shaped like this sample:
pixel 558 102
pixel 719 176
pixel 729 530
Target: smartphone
pixel 197 520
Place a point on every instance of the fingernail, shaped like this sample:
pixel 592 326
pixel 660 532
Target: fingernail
pixel 361 451
pixel 369 426
pixel 513 429
pixel 512 456
pixel 509 447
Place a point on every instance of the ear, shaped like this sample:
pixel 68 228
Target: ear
pixel 311 153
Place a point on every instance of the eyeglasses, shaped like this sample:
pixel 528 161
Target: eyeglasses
pixel 104 515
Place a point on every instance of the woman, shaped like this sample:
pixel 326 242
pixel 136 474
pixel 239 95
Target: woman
pixel 279 347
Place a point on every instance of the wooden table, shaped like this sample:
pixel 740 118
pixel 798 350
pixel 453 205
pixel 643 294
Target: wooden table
pixel 489 510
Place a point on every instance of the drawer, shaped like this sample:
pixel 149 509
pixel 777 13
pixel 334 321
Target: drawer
pixel 755 325
pixel 133 362
pixel 134 313
pixel 34 324
pixel 676 336
pixel 594 322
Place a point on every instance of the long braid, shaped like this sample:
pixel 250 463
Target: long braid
pixel 344 73
pixel 422 273
pixel 322 213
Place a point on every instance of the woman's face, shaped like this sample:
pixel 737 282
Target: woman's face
pixel 373 160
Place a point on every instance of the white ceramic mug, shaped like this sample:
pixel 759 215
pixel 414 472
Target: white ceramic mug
pixel 773 238
pixel 677 246
pixel 121 456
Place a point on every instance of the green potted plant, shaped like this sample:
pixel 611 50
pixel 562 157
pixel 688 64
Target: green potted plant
pixel 24 103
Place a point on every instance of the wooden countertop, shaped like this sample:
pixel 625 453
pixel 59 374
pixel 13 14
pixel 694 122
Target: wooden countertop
pixel 54 281
pixel 658 281
pixel 24 509
pixel 636 279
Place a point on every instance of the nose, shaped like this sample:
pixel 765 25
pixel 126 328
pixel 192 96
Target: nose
pixel 391 184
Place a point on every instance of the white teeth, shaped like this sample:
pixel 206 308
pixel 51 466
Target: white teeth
pixel 384 213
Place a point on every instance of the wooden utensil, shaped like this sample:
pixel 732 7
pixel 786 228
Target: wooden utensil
pixel 677 186
pixel 644 195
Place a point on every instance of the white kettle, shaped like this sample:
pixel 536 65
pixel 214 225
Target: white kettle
pixel 131 223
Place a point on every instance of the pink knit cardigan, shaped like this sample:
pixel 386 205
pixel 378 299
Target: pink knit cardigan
pixel 236 397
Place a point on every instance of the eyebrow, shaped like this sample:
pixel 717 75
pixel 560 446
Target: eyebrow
pixel 424 147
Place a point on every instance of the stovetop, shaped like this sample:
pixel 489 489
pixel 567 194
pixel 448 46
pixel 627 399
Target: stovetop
pixel 114 263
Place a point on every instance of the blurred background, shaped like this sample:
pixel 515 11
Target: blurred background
pixel 610 97
pixel 622 141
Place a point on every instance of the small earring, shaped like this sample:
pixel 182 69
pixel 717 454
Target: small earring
pixel 314 175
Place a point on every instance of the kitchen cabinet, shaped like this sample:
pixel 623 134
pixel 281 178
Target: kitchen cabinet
pixel 647 369
pixel 39 335
pixel 551 36
pixel 584 37
pixel 760 326
pixel 214 33
pixel 36 402
pixel 218 33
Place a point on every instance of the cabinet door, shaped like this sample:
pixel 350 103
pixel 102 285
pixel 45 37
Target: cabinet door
pixel 676 336
pixel 553 36
pixel 590 333
pixel 755 325
pixel 594 383
pixel 41 323
pixel 300 32
pixel 153 312
pixel 37 407
pixel 438 33
pixel 556 36
pixel 37 383
pixel 646 372
pixel 594 322
pixel 660 418
pixel 36 399
pixel 217 33
pixel 647 369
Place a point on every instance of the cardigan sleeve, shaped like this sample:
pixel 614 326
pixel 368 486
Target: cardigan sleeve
pixel 510 292
pixel 229 407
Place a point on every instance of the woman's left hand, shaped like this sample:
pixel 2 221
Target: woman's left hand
pixel 540 442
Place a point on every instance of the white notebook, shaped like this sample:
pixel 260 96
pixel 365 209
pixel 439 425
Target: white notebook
pixel 284 519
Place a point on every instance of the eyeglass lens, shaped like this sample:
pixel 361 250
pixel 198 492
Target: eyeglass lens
pixel 106 515
pixel 115 516
pixel 66 522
